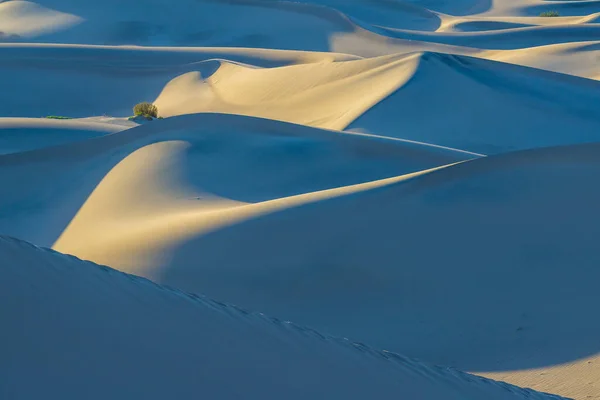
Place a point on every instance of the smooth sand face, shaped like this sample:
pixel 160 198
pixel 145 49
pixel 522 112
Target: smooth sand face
pixel 25 20
pixel 326 95
pixel 113 335
pixel 417 175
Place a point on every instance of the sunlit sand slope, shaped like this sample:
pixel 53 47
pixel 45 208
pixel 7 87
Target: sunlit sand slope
pixel 179 166
pixel 495 255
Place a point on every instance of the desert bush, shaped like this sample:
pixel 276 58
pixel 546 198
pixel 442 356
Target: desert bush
pixel 146 110
pixel 550 14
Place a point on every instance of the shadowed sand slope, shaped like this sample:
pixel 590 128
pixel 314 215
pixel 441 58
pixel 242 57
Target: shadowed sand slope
pixel 99 326
pixel 505 39
pixel 486 107
pixel 179 166
pixel 23 134
pixel 495 255
pixel 186 22
pixel 533 8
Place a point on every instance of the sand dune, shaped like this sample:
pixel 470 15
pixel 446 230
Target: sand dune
pixel 415 174
pixel 325 95
pixel 478 23
pixel 534 8
pixel 486 107
pixel 479 255
pixel 130 338
pixel 314 25
pixel 578 59
pixel 114 78
pixel 513 38
pixel 186 162
pixel 25 19
pixel 382 95
pixel 199 23
pixel 23 134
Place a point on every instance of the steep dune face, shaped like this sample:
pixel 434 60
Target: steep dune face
pixel 325 95
pixel 486 107
pixel 185 162
pixel 98 326
pixel 495 255
pixel 388 95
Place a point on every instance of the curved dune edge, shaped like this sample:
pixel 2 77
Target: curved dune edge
pixel 384 95
pixel 25 20
pixel 454 210
pixel 484 106
pixel 577 58
pixel 217 342
pixel 533 8
pixel 505 39
pixel 481 24
pixel 321 92
pixel 324 95
pixel 141 240
pixel 165 202
pixel 197 159
pixel 114 78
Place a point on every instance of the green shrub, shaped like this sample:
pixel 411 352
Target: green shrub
pixel 550 14
pixel 145 109
pixel 57 117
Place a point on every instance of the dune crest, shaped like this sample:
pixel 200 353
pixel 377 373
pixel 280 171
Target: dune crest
pixel 362 265
pixel 324 95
